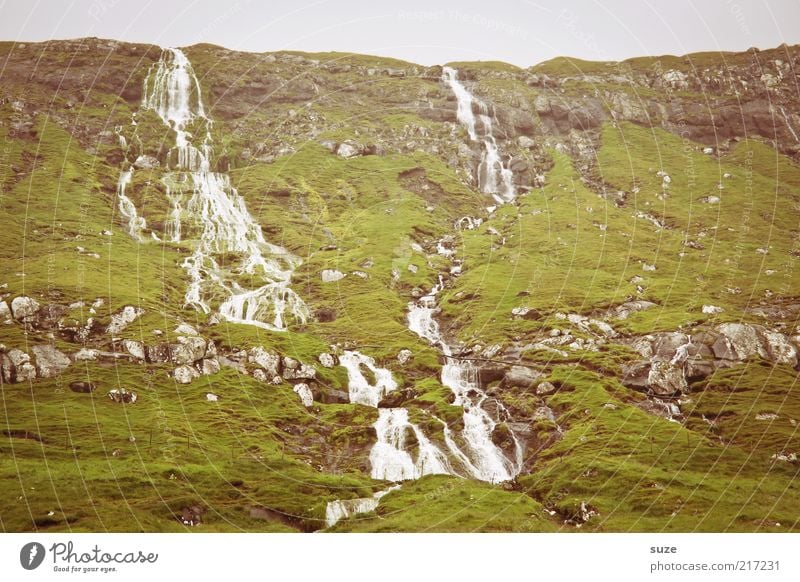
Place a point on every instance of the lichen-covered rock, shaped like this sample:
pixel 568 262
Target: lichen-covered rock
pixel 158 353
pixel 134 348
pixel 210 366
pixel 21 369
pixel 294 370
pixel 268 360
pixel 123 396
pixel 184 374
pixel 404 356
pixel 327 360
pixel 5 313
pixel 331 275
pixel 666 379
pixel 50 362
pixel 545 389
pixel 188 350
pixel 86 355
pixel 779 349
pixel 521 377
pixel 306 396
pixel 743 339
pixel 123 318
pixel 23 308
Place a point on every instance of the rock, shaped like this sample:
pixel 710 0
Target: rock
pixel 24 308
pixel 544 413
pixel 526 142
pixel 525 313
pixel 134 348
pixel 779 349
pixel 325 315
pixel 327 360
pixel 521 376
pixel 743 339
pixel 209 366
pixel 185 329
pixel 184 374
pixel 396 398
pixel 665 379
pixel 624 310
pixel 86 355
pixel 5 313
pixel 269 361
pixel 712 309
pixel 697 369
pixel 636 375
pixel 123 318
pixel 666 410
pixel 260 375
pixel 545 389
pixel 49 361
pixel 665 345
pixel 294 370
pixel 82 387
pixel 122 396
pixel 404 356
pixel 212 397
pixel 145 162
pixel 331 275
pixel 348 150
pixel 158 354
pixel 188 350
pixel 306 397
pixel 332 396
pixel 489 374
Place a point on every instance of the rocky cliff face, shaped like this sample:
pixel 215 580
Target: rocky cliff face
pixel 568 289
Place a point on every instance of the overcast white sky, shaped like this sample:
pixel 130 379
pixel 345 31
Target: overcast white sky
pixel 423 31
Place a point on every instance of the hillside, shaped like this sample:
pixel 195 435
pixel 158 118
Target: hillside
pixel 300 292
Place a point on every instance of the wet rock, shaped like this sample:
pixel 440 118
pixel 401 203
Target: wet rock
pixel 327 360
pixel 23 308
pixel 135 349
pixel 294 370
pixel 404 356
pixel 185 374
pixel 123 396
pixel 521 377
pixel 269 361
pixel 123 318
pixel 396 398
pixel 489 374
pixel 82 387
pixel 666 379
pixel 660 408
pixel 305 394
pixel 50 362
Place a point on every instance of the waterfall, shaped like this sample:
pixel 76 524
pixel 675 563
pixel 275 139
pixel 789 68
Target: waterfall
pixel 483 459
pixel 493 177
pixel 342 509
pixel 391 456
pixel 127 208
pixel 215 218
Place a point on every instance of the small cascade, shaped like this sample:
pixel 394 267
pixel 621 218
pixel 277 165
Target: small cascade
pixel 338 510
pixel 493 177
pixel 483 459
pixel 208 211
pixel 391 456
pixel 127 209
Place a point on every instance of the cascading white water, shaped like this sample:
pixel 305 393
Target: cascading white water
pixel 344 508
pixel 391 457
pixel 127 209
pixel 483 459
pixel 215 214
pixel 493 177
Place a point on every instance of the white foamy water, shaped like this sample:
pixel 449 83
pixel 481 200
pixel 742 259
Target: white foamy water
pixel 493 177
pixel 215 217
pixel 402 450
pixel 337 510
pixel 482 458
pixel 126 207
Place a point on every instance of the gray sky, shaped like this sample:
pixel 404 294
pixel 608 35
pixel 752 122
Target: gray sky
pixel 423 31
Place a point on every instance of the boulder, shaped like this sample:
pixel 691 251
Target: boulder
pixel 24 308
pixel 86 355
pixel 158 353
pixel 779 349
pixel 209 366
pixel 5 313
pixel 743 339
pixel 123 318
pixel 349 150
pixel 636 375
pixel 188 350
pixel 489 374
pixel 325 315
pixel 332 396
pixel 145 162
pixel 666 345
pixel 543 413
pixel 665 379
pixel 327 360
pixel 396 398
pixel 82 387
pixel 521 377
pixel 306 396
pixel 545 389
pixel 7 372
pixel 269 361
pixel 404 356
pixel 184 374
pixel 294 370
pixel 331 275
pixel 50 362
pixel 135 349
pixel 122 396
pixel 185 329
